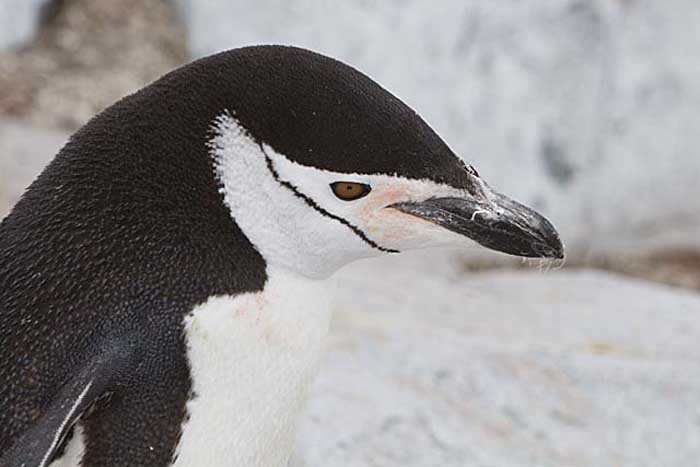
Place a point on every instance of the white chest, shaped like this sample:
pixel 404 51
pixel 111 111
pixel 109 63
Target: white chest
pixel 252 359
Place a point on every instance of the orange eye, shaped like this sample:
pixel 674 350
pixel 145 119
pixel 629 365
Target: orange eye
pixel 350 191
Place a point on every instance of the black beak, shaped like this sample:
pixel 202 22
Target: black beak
pixel 500 224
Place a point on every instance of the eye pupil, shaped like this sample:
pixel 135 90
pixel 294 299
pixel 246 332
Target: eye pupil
pixel 350 191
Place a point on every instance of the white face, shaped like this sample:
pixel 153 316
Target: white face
pixel 291 214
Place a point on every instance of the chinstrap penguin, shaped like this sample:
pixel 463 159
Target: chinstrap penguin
pixel 163 293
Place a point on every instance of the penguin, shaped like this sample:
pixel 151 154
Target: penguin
pixel 165 281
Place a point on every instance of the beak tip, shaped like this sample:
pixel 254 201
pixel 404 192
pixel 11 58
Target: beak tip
pixel 555 251
pixel 550 245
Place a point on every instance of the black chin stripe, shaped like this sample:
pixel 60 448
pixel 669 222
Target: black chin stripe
pixel 313 204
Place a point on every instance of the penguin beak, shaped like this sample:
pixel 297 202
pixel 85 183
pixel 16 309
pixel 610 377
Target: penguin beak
pixel 499 223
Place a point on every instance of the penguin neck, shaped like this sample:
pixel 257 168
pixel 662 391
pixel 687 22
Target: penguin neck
pixel 253 358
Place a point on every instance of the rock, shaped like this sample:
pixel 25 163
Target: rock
pixel 87 55
pixel 505 369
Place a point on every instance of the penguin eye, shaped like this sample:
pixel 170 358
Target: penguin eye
pixel 350 191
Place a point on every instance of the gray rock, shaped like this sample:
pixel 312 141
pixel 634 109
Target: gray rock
pixel 505 369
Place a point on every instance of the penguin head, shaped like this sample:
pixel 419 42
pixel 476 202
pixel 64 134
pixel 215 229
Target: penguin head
pixel 319 166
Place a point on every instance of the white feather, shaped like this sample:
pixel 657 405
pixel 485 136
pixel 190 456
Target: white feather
pixel 252 359
pixel 74 449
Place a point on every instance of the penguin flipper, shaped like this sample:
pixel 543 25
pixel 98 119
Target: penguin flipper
pixel 37 446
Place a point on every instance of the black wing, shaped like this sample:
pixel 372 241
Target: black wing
pixel 37 446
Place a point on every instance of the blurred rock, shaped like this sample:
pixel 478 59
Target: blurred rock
pixel 587 110
pixel 672 266
pixel 86 55
pixel 505 369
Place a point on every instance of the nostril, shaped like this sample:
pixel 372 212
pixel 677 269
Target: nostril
pixel 469 168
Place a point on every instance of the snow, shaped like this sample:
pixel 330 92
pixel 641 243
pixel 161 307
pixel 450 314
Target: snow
pixel 505 369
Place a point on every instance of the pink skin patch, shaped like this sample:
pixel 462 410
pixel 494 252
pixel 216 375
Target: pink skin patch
pixel 390 226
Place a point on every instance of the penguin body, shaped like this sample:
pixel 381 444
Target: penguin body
pixel 240 345
pixel 164 282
